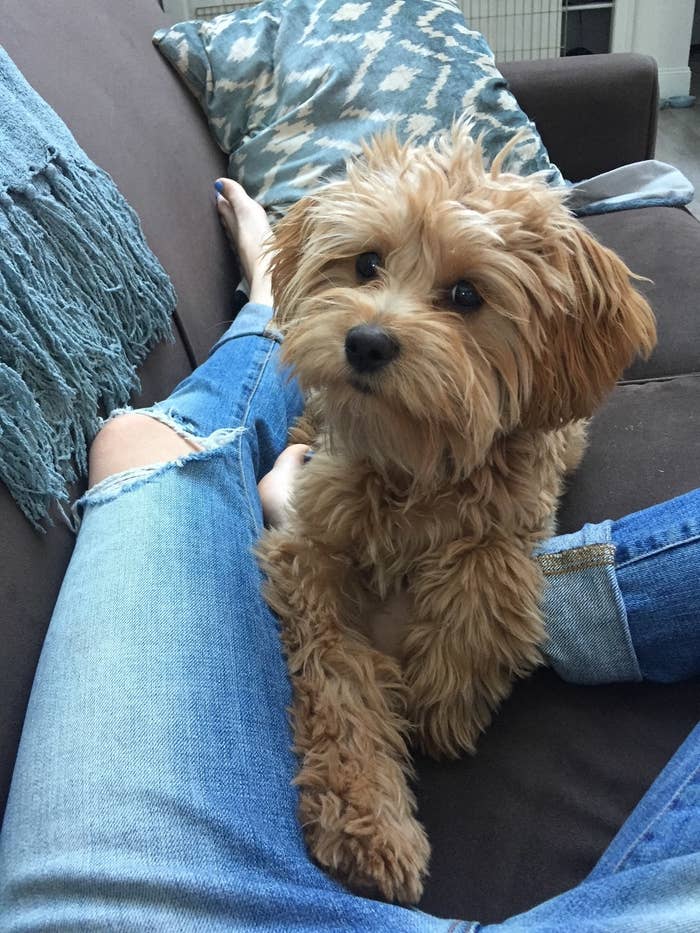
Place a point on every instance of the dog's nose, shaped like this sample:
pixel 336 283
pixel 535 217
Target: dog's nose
pixel 369 348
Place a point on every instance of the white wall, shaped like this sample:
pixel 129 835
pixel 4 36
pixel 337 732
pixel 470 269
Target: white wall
pixel 660 28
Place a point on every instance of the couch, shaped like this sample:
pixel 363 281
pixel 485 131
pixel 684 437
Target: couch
pixel 562 765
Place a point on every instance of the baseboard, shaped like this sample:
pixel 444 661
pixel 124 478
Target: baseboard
pixel 674 82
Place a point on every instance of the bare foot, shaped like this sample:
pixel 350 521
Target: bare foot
pixel 248 230
pixel 276 486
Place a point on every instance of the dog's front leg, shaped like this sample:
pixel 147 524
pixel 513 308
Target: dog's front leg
pixel 476 626
pixel 349 725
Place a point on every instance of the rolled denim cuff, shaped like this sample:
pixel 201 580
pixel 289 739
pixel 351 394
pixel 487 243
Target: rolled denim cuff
pixel 589 640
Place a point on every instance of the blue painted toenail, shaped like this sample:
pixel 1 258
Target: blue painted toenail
pixel 219 185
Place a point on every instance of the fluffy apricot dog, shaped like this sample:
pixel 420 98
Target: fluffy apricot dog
pixel 452 325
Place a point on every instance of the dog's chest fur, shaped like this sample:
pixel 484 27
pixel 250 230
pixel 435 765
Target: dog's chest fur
pixel 386 527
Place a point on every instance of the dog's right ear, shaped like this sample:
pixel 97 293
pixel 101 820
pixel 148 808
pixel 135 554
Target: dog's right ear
pixel 290 236
pixel 600 323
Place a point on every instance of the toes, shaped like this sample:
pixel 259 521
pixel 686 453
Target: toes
pixel 235 195
pixel 224 208
pixel 228 202
pixel 227 188
pixel 275 487
pixel 245 207
pixel 292 457
pixel 228 219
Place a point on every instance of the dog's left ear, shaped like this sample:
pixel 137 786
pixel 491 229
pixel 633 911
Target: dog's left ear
pixel 595 325
pixel 291 234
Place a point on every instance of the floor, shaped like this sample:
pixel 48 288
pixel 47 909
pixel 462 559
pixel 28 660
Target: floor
pixel 678 139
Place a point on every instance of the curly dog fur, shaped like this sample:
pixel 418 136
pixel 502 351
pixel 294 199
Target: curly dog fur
pixel 437 470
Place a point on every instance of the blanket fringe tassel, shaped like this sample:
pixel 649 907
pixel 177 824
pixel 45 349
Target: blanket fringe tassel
pixel 82 301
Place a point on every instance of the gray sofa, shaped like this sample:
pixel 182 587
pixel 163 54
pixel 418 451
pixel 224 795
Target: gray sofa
pixel 562 766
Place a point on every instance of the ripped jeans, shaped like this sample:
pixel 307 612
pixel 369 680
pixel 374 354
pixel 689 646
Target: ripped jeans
pixel 153 786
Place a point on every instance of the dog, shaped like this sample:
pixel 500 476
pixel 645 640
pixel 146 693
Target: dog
pixel 453 326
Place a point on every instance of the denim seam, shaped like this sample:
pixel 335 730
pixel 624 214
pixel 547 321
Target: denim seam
pixel 666 547
pixel 266 334
pixel 244 484
pixel 621 607
pixel 633 845
pixel 622 612
pixel 261 373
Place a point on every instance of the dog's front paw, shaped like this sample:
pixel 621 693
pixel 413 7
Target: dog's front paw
pixel 372 848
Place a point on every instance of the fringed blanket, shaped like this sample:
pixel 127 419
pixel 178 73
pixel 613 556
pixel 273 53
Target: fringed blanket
pixel 82 299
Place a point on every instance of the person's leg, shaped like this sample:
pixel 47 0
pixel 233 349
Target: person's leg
pixel 622 598
pixel 657 566
pixel 153 786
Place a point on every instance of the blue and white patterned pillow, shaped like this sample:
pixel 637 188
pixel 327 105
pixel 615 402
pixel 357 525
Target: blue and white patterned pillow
pixel 290 87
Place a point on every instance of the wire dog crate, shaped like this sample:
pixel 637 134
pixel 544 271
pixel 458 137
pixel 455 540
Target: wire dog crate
pixel 515 29
pixel 195 9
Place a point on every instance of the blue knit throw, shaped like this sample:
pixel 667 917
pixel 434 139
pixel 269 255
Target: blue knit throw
pixel 82 299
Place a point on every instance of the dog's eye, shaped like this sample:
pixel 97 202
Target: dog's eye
pixel 367 265
pixel 465 296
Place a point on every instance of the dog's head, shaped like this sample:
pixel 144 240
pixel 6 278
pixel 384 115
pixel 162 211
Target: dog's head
pixel 438 304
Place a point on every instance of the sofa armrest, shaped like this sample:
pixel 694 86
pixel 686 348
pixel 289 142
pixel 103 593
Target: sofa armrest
pixel 594 112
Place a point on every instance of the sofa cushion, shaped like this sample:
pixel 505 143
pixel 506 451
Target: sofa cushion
pixel 290 92
pixel 594 112
pixel 644 448
pixel 662 244
pixel 553 779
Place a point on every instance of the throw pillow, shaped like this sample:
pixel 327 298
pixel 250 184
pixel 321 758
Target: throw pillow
pixel 290 87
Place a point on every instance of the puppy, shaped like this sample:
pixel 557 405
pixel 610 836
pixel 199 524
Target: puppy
pixel 453 325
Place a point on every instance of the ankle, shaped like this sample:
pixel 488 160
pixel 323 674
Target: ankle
pixel 261 289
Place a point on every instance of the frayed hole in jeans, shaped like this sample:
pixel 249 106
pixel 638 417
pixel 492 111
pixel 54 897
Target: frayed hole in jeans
pixel 122 481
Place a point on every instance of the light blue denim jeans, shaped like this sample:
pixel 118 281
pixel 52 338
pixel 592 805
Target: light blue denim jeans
pixel 153 789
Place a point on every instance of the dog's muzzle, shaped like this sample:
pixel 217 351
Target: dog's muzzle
pixel 369 348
